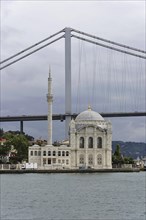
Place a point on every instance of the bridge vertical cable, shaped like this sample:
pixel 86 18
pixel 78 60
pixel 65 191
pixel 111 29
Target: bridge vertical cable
pixel 78 102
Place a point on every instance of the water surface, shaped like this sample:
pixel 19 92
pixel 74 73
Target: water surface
pixel 100 196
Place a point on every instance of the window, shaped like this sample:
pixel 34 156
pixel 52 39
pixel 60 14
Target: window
pixel 99 142
pixel 54 160
pixel 49 160
pixel 54 153
pixel 59 161
pixel 59 153
pixel 99 159
pixel 49 153
pixel 81 144
pixel 81 160
pixel 35 153
pixel 44 161
pixel 44 153
pixel 67 162
pixel 63 161
pixel 31 153
pixel 67 153
pixel 90 159
pixel 39 153
pixel 90 142
pixel 63 153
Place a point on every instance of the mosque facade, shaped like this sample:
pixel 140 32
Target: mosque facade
pixel 89 145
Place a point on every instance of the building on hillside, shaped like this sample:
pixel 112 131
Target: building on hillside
pixel 89 145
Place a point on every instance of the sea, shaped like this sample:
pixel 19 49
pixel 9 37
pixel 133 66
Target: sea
pixel 73 196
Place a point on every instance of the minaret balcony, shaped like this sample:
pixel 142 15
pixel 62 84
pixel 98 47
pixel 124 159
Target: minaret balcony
pixel 50 97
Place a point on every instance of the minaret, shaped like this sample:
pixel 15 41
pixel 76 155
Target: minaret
pixel 50 101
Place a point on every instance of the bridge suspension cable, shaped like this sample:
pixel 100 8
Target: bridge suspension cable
pixel 109 41
pixel 28 54
pixel 32 46
pixel 75 36
pixel 106 77
pixel 109 47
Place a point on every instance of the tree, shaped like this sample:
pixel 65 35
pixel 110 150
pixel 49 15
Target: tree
pixel 1 132
pixel 128 160
pixel 117 158
pixel 117 151
pixel 5 148
pixel 20 143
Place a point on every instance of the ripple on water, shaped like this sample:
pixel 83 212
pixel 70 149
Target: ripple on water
pixel 110 196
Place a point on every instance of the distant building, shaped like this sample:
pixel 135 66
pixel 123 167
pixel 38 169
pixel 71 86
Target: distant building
pixel 141 163
pixel 2 141
pixel 89 146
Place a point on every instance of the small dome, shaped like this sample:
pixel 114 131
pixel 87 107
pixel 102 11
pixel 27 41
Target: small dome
pixel 89 115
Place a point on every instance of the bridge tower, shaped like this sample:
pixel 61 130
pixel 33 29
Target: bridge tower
pixel 50 101
pixel 67 79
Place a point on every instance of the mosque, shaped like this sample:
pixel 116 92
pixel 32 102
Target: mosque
pixel 89 145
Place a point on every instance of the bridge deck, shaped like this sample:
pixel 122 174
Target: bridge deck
pixel 62 117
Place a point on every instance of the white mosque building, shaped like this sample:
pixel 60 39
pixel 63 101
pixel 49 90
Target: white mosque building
pixel 89 145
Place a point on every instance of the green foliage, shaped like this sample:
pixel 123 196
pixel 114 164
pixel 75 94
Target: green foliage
pixel 5 148
pixel 131 149
pixel 128 160
pixel 19 142
pixel 117 151
pixel 1 132
pixel 117 157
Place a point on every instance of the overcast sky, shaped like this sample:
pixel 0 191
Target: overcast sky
pixel 24 84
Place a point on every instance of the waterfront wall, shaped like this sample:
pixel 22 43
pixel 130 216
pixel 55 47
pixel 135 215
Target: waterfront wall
pixel 18 171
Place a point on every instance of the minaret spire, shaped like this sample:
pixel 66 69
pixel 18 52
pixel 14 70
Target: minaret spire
pixel 50 101
pixel 49 71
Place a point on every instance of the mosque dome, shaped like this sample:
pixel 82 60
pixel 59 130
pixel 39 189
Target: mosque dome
pixel 89 115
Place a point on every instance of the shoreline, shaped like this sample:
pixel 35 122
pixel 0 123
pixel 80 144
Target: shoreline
pixel 114 170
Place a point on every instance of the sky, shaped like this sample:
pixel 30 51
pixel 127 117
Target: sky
pixel 95 70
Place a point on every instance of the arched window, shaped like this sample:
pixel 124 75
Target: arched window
pixel 59 153
pixel 49 153
pixel 90 142
pixel 44 153
pixel 67 153
pixel 90 159
pixel 99 142
pixel 54 153
pixel 81 159
pixel 63 153
pixel 31 153
pixel 99 159
pixel 81 142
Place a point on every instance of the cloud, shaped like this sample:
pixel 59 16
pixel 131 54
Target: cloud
pixel 132 129
pixel 24 84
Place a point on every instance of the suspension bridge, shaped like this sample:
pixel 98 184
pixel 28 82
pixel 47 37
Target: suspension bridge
pixel 109 76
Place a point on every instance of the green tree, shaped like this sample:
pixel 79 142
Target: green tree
pixel 117 151
pixel 128 160
pixel 1 132
pixel 5 148
pixel 19 143
pixel 117 157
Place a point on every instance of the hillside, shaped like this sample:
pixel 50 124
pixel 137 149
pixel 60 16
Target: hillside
pixel 131 149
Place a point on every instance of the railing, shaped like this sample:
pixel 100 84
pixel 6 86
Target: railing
pixel 10 166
